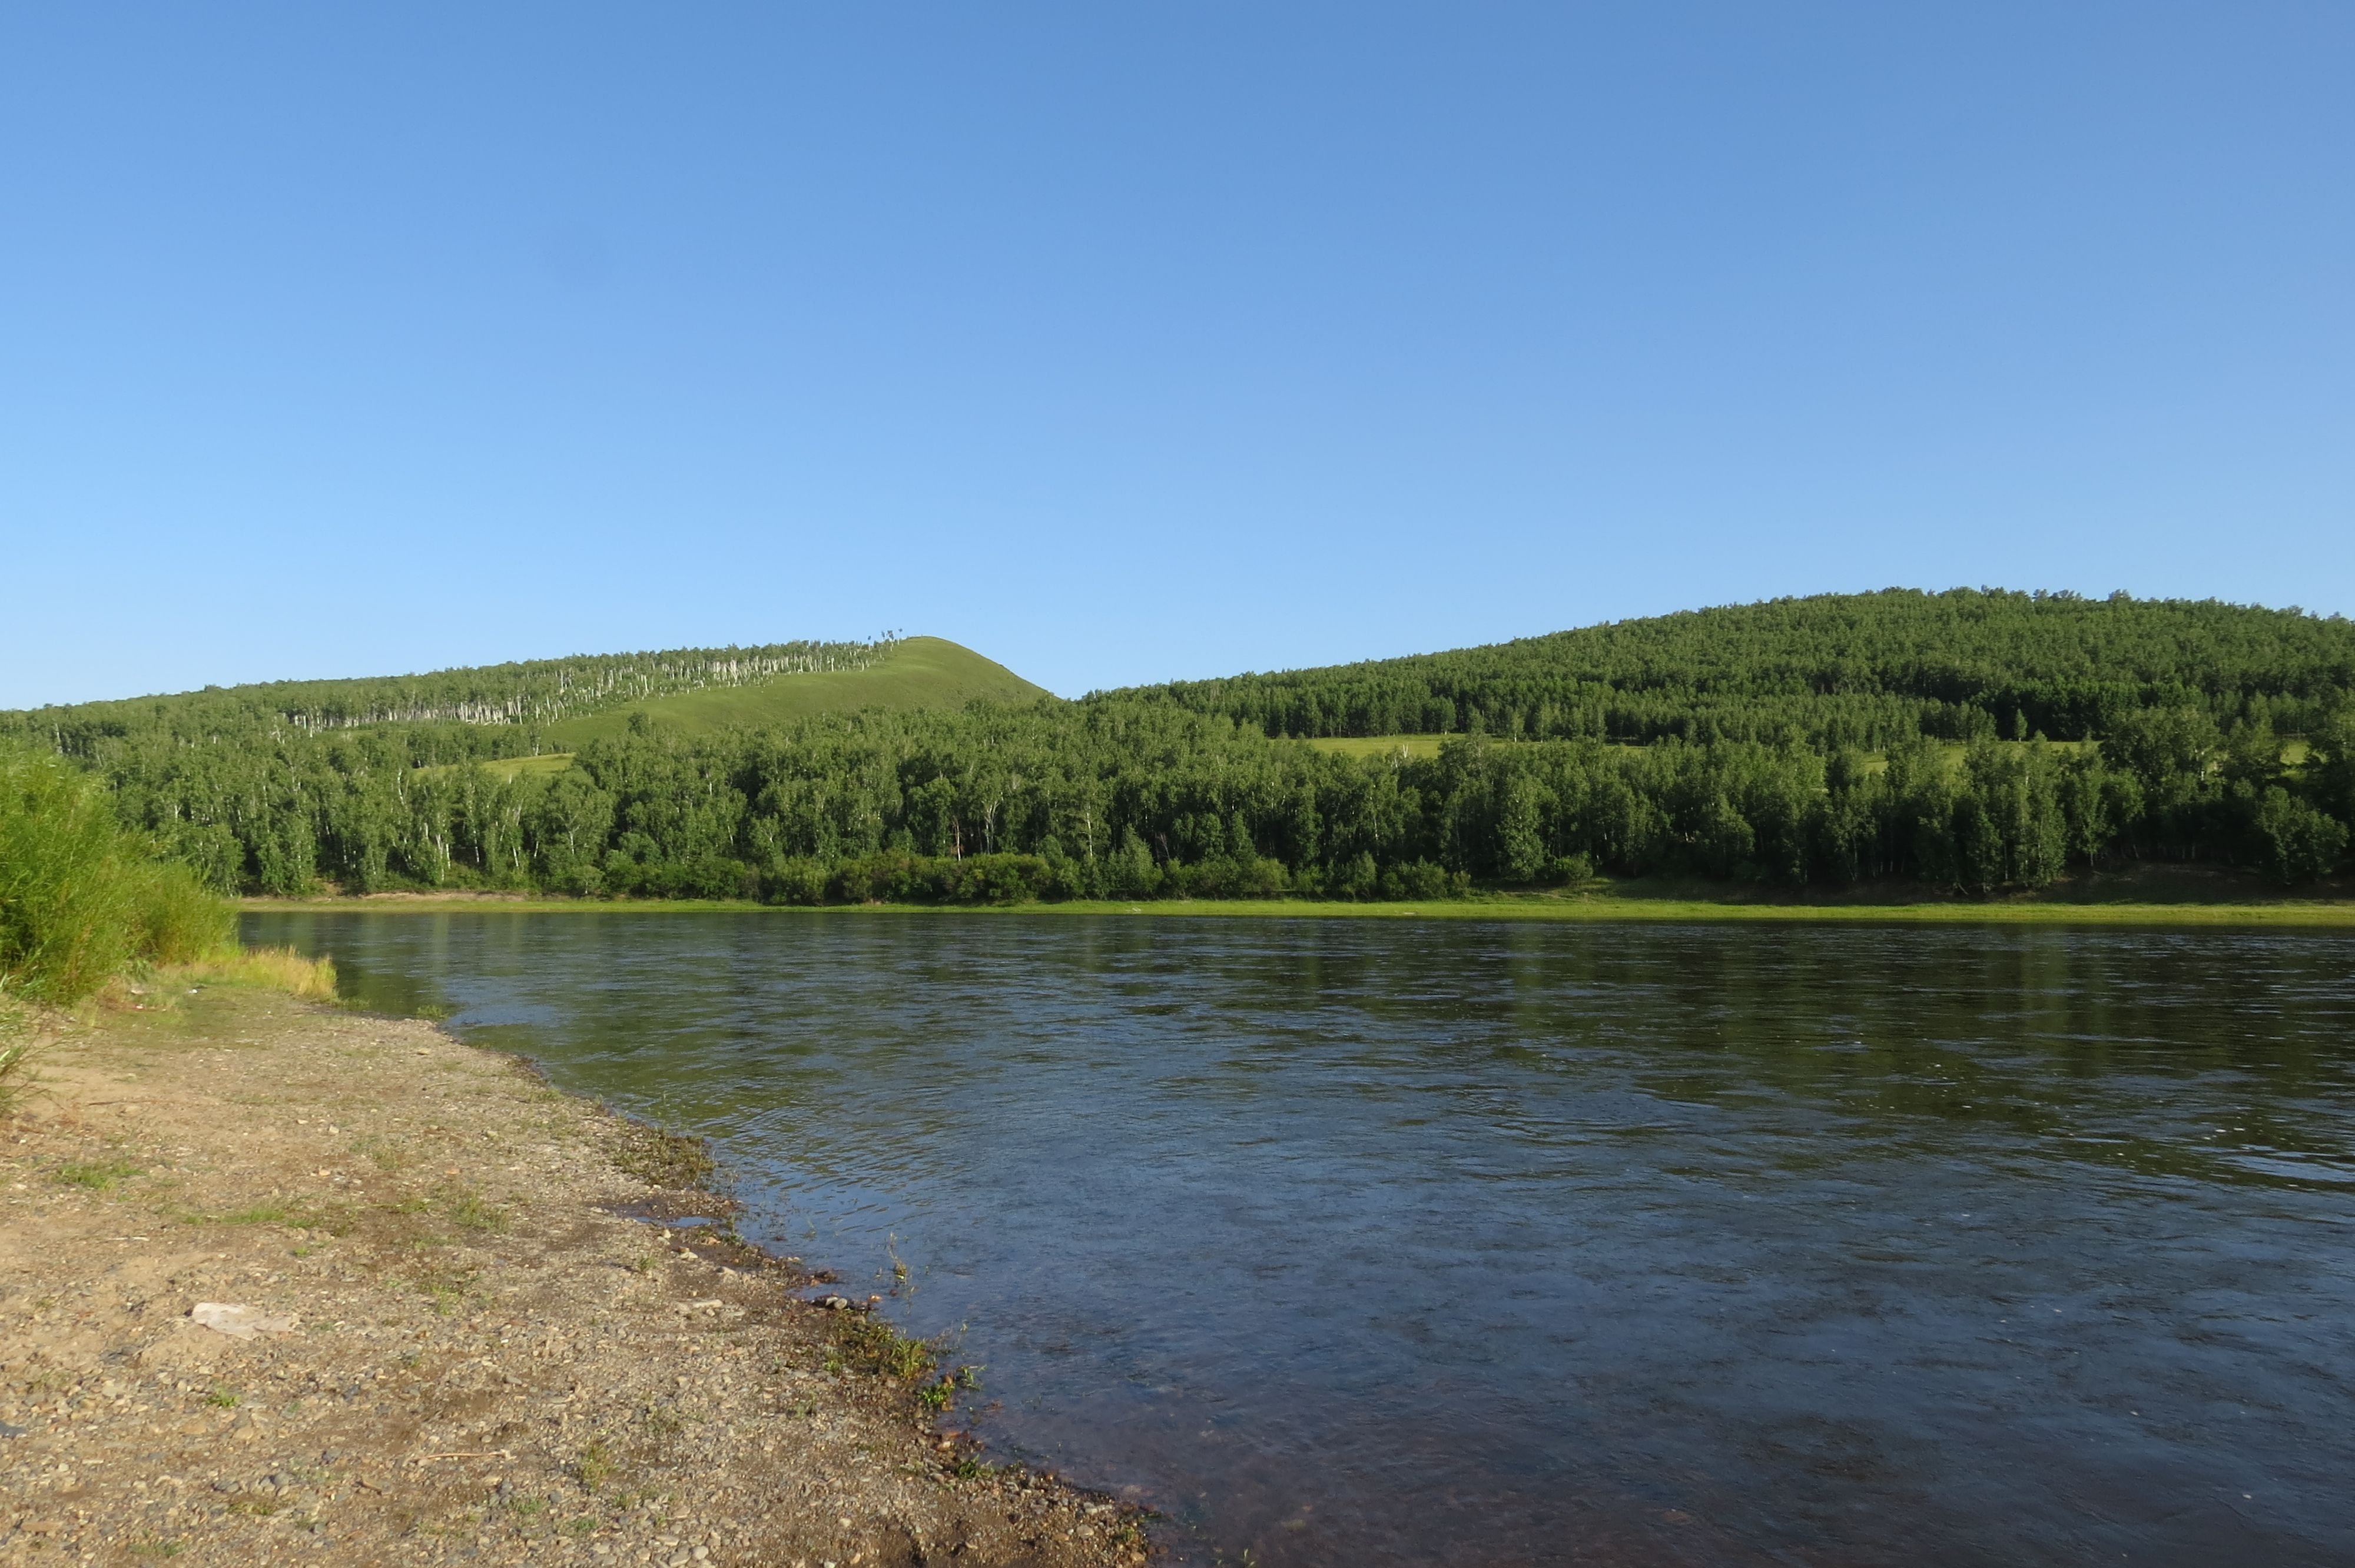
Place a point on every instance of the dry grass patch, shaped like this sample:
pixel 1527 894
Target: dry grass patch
pixel 280 969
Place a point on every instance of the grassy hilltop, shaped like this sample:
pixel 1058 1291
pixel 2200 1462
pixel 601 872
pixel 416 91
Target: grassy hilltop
pixel 916 673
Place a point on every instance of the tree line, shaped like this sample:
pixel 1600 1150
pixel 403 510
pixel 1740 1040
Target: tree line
pixel 1146 800
pixel 1967 741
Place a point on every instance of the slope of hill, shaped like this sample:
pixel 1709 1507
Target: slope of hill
pixel 1837 669
pixel 515 696
pixel 521 709
pixel 916 673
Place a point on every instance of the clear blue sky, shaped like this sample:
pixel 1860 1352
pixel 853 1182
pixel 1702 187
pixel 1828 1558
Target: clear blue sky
pixel 1133 340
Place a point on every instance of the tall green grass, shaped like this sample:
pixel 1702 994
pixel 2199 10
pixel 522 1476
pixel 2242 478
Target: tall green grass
pixel 80 898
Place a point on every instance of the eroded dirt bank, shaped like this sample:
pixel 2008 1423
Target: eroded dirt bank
pixel 475 1360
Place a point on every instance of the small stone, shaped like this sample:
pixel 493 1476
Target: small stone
pixel 240 1321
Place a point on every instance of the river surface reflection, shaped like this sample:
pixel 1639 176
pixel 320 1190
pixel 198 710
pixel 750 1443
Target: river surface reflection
pixel 1391 1242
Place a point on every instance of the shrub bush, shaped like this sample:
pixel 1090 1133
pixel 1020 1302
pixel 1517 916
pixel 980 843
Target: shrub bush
pixel 1239 876
pixel 796 880
pixel 993 879
pixel 80 896
pixel 1420 879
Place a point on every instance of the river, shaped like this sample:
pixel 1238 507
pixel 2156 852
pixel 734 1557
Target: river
pixel 1391 1242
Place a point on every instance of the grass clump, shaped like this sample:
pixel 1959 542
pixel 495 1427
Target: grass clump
pixel 940 1395
pixel 335 1221
pixel 595 1467
pixel 469 1210
pixel 871 1344
pixel 662 1159
pixel 97 1175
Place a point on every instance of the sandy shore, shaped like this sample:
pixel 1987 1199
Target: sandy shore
pixel 467 1350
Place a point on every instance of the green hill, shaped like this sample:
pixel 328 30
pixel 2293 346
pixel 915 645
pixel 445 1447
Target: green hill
pixel 1835 669
pixel 493 711
pixel 1970 742
pixel 916 672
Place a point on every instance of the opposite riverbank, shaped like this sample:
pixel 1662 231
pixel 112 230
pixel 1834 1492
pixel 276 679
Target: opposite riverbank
pixel 1538 908
pixel 289 1283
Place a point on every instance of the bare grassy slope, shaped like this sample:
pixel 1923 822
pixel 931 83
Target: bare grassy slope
pixel 922 673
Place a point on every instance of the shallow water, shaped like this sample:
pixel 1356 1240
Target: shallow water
pixel 1375 1242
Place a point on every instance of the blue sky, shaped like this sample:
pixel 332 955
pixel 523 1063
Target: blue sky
pixel 1151 340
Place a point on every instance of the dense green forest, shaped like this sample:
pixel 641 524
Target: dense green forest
pixel 1813 743
pixel 1847 670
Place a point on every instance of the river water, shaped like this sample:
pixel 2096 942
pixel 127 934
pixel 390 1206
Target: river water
pixel 1393 1241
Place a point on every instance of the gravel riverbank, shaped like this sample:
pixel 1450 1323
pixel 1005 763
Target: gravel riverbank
pixel 456 1345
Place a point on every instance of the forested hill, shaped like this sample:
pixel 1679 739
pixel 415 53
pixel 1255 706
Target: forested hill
pixel 1803 743
pixel 1862 669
